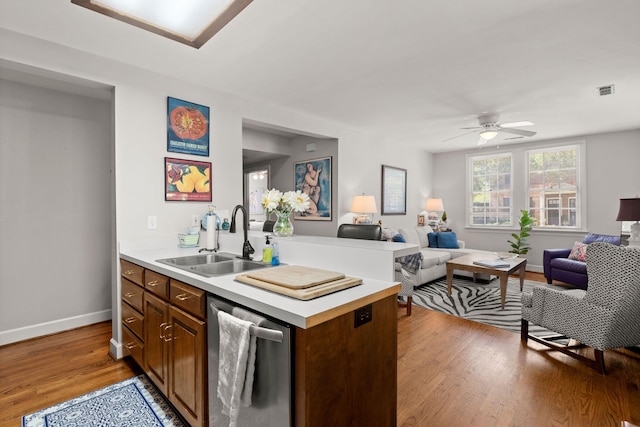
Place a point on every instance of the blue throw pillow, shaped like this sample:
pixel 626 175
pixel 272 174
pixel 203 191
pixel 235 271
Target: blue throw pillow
pixel 592 237
pixel 399 238
pixel 448 240
pixel 433 240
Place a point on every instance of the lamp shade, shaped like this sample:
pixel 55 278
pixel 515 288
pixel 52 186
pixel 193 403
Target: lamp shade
pixel 434 205
pixel 364 204
pixel 629 210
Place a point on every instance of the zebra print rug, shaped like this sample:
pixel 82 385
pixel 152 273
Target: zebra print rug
pixel 479 301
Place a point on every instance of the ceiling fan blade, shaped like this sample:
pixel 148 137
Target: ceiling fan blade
pixel 518 131
pixel 516 124
pixel 466 133
pixel 473 127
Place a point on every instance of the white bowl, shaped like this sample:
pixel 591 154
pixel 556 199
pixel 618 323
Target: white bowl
pixel 506 255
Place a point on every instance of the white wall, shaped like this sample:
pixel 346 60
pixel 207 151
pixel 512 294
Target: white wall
pixel 56 213
pixel 612 173
pixel 139 114
pixel 361 160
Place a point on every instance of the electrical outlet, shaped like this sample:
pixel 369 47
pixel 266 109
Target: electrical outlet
pixel 152 222
pixel 195 220
pixel 363 315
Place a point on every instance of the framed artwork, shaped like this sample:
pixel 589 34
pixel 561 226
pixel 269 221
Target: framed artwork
pixel 394 191
pixel 421 220
pixel 187 180
pixel 313 177
pixel 187 127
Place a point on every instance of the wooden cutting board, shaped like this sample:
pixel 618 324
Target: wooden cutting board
pixel 305 293
pixel 295 276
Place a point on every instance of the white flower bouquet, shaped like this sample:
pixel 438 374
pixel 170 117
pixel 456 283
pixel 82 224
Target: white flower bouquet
pixel 284 203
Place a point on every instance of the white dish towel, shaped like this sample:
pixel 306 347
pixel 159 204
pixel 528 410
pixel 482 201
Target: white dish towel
pixel 251 359
pixel 236 366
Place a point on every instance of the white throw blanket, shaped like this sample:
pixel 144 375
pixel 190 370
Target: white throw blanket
pixel 237 355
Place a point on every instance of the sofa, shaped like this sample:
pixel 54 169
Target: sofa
pixel 436 248
pixel 569 265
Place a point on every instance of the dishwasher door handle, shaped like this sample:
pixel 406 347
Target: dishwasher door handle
pixel 258 331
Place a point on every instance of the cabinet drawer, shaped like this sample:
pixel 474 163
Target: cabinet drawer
pixel 132 272
pixel 132 294
pixel 156 283
pixel 133 320
pixel 188 298
pixel 132 346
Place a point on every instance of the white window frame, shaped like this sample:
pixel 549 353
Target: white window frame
pixel 581 191
pixel 469 193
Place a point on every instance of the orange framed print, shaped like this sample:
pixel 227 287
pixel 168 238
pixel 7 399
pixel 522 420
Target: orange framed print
pixel 187 180
pixel 187 127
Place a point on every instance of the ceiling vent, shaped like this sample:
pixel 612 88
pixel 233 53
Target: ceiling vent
pixel 606 90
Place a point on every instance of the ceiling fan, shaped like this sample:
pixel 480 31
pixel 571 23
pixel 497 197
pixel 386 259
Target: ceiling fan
pixel 490 126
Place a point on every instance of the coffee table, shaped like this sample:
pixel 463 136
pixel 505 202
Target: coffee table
pixel 466 263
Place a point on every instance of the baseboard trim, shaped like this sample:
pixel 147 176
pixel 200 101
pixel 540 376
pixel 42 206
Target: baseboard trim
pixel 52 327
pixel 535 268
pixel 115 349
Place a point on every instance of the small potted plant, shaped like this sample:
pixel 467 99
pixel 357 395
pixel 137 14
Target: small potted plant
pixel 519 244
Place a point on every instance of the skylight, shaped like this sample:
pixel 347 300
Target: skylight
pixel 191 22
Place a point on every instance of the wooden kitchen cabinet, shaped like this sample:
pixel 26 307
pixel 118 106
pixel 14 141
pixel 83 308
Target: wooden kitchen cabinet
pixel 350 369
pixel 175 350
pixel 132 311
pixel 164 331
pixel 156 350
pixel 187 370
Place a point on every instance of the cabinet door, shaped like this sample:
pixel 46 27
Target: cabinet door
pixel 156 331
pixel 187 366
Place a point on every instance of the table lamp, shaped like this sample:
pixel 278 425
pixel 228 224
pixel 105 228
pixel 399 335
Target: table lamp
pixel 363 205
pixel 630 211
pixel 433 206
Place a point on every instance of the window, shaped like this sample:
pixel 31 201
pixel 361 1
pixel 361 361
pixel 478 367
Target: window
pixel 490 190
pixel 554 190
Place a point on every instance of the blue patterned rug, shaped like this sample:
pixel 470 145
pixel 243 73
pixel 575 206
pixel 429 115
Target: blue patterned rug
pixel 133 403
pixel 480 301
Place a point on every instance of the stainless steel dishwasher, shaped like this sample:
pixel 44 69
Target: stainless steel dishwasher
pixel 271 401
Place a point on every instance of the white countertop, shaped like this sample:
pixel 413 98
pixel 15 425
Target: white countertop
pixel 303 314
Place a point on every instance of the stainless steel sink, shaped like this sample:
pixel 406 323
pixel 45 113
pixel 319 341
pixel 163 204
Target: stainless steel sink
pixel 227 267
pixel 197 259
pixel 211 265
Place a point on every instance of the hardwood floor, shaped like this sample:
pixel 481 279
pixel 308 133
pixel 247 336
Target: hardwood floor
pixel 38 373
pixel 451 372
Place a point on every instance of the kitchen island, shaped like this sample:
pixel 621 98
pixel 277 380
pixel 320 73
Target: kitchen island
pixel 344 344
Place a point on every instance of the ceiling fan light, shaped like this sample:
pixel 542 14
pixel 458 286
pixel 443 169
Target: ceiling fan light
pixel 488 134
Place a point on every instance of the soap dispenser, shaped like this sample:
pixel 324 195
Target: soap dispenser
pixel 267 252
pixel 275 254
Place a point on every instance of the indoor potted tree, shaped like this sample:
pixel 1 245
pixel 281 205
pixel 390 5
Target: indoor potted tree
pixel 519 244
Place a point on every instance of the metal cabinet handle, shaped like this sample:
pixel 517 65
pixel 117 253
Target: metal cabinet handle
pixel 130 345
pixel 130 294
pixel 130 319
pixel 182 297
pixel 129 272
pixel 168 338
pixel 153 283
pixel 162 329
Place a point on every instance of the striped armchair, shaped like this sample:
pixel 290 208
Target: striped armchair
pixel 604 316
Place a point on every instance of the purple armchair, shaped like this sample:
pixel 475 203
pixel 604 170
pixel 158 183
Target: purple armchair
pixel 558 266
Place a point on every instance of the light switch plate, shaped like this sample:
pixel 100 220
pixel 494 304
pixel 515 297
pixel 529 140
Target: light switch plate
pixel 152 222
pixel 195 220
